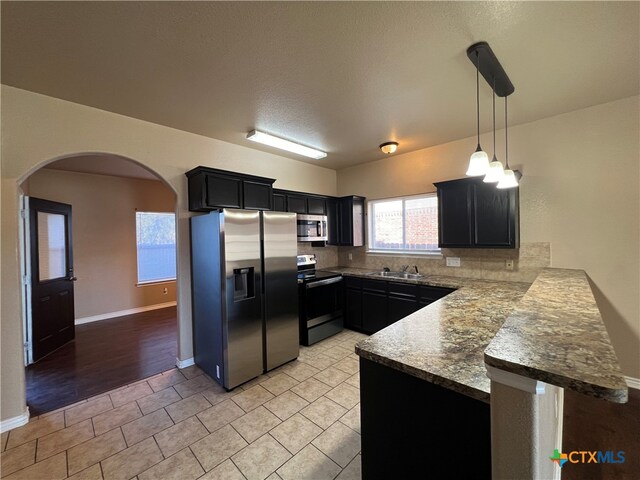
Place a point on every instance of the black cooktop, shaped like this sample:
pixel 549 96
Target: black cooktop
pixel 311 275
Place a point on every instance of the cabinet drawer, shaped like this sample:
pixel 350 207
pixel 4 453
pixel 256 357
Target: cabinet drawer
pixel 403 289
pixel 434 293
pixel 374 285
pixel 353 282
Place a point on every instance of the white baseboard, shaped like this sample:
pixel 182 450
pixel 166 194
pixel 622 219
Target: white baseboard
pixel 633 382
pixel 15 422
pixel 185 363
pixel 122 313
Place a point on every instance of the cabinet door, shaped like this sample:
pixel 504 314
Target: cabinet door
pixel 454 215
pixel 316 206
pixel 494 216
pixel 400 307
pixel 333 215
pixel 374 311
pixel 257 196
pixel 279 202
pixel 428 294
pixel 353 308
pixel 357 222
pixel 345 221
pixel 224 192
pixel 296 204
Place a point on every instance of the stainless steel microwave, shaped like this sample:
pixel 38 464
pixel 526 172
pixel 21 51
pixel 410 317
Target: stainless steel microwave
pixel 312 228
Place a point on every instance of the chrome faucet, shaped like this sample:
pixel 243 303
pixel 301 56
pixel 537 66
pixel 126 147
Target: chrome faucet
pixel 405 268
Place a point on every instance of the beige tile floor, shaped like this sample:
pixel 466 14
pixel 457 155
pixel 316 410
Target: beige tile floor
pixel 300 421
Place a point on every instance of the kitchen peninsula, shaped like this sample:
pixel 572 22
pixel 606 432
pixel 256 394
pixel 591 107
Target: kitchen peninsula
pixel 425 393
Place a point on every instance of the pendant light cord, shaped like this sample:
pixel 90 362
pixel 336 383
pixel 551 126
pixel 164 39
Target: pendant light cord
pixel 506 136
pixel 494 118
pixel 478 94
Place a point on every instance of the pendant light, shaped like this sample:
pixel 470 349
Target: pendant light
pixel 495 172
pixel 479 161
pixel 508 179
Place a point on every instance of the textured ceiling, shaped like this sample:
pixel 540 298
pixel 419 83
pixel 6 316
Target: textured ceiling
pixel 340 76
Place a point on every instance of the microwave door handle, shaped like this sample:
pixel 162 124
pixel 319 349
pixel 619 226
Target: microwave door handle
pixel 319 228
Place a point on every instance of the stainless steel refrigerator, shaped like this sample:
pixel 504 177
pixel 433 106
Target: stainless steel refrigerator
pixel 244 293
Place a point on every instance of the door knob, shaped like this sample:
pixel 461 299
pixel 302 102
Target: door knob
pixel 72 279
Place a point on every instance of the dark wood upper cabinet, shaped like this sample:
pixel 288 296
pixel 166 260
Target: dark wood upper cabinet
pixel 300 202
pixel 223 191
pixel 316 206
pixel 346 221
pixel 211 189
pixel 474 214
pixel 454 215
pixel 296 203
pixel 257 196
pixel 279 202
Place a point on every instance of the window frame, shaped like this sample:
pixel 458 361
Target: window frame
pixel 437 252
pixel 157 281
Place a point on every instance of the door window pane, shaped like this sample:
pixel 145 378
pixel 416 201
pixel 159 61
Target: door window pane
pixel 52 253
pixel 156 246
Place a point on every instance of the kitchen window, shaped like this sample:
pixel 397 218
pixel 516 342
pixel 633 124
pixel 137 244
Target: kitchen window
pixel 404 225
pixel 156 246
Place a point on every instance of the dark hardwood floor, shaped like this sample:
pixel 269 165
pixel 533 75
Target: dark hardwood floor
pixel 591 424
pixel 104 355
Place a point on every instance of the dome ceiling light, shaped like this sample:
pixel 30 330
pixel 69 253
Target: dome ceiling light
pixel 389 147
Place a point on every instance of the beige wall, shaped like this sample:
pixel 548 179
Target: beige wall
pixel 37 129
pixel 104 236
pixel 579 192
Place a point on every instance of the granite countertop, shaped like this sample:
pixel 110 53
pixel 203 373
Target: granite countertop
pixel 444 342
pixel 556 335
pixel 552 332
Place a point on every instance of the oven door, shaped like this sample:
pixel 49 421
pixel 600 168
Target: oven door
pixel 323 301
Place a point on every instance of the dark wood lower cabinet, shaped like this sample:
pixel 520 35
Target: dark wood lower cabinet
pixel 374 311
pixel 371 305
pixel 400 307
pixel 353 309
pixel 413 429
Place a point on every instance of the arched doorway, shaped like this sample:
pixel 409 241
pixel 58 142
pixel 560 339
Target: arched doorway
pixel 125 316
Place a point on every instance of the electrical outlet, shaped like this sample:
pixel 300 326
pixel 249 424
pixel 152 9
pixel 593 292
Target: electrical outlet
pixel 453 261
pixel 351 256
pixel 509 264
pixel 165 291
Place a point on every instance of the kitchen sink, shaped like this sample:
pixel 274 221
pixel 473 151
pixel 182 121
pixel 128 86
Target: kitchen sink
pixel 408 276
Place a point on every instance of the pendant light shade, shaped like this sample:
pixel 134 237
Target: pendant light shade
pixel 508 179
pixel 479 161
pixel 495 172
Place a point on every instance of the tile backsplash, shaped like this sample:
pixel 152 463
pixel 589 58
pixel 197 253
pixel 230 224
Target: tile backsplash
pixel 325 256
pixel 490 264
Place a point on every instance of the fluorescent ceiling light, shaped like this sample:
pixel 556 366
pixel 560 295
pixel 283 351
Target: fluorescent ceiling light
pixel 283 144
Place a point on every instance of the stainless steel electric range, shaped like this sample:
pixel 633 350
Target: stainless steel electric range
pixel 321 301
